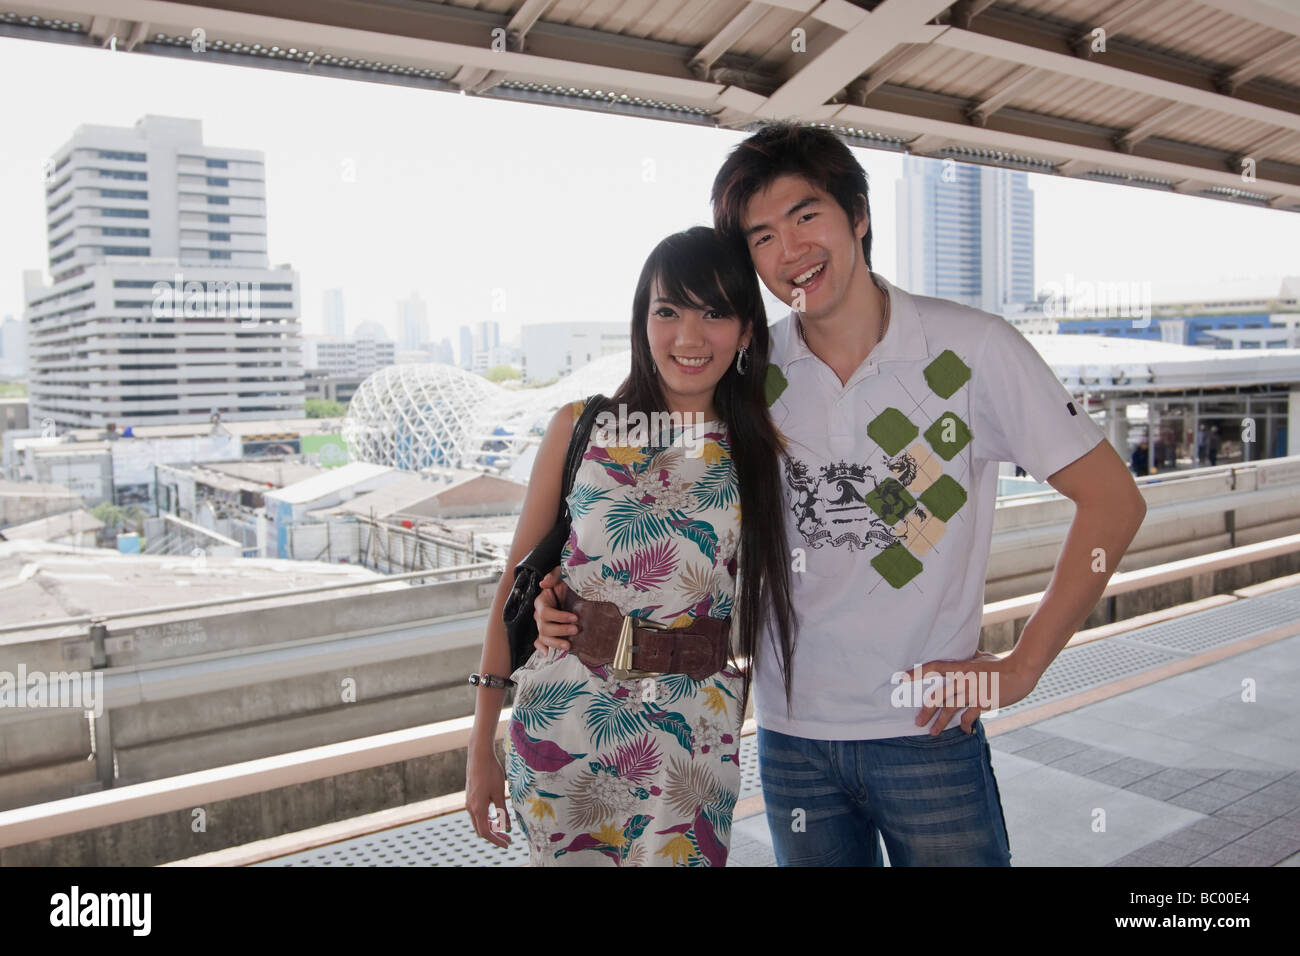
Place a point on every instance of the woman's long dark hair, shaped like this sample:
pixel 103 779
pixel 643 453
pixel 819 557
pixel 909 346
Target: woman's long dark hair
pixel 697 269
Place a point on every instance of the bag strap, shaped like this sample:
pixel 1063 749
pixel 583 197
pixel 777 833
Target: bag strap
pixel 577 448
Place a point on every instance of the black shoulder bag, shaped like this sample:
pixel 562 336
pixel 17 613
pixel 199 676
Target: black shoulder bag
pixel 518 611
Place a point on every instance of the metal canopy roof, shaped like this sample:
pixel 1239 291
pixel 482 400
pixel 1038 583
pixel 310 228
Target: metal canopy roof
pixel 1193 96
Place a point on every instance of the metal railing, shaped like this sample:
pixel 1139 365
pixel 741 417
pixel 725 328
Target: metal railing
pixel 248 598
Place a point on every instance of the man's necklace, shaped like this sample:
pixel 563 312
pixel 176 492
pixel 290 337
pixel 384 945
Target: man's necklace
pixel 884 321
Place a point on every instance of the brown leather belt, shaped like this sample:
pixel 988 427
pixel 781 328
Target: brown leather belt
pixel 699 650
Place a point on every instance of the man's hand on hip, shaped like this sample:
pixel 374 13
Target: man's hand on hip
pixel 970 687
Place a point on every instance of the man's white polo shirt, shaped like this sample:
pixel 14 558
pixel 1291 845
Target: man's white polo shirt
pixel 891 481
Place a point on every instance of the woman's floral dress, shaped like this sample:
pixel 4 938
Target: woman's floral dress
pixel 641 772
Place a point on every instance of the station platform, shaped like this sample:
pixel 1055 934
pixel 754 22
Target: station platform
pixel 1152 724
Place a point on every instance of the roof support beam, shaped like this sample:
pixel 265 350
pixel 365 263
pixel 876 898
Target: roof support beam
pixel 1262 147
pixel 1099 72
pixel 1039 144
pixel 529 12
pixel 851 55
pixel 479 80
pixel 980 110
pixel 735 28
pixel 1074 167
pixel 859 90
pixel 1267 12
pixel 927 143
pixel 436 34
pixel 476 79
pixel 1229 81
pixel 964 11
pixel 117 33
pixel 840 14
pixel 1162 117
pixel 1108 21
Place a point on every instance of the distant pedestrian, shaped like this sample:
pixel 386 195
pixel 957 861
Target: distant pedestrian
pixel 1139 459
pixel 1213 445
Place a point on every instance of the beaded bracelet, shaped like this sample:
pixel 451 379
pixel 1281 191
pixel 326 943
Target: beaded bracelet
pixel 490 680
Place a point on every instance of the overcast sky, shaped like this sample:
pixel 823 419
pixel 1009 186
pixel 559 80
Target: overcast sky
pixel 455 197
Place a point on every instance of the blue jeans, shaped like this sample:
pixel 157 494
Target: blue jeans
pixel 933 800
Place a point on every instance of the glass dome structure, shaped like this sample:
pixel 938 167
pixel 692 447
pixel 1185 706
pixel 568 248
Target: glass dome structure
pixel 430 415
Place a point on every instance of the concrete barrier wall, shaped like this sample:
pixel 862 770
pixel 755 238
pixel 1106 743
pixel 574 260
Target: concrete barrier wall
pixel 164 729
pixel 267 707
pixel 1021 561
pixel 169 737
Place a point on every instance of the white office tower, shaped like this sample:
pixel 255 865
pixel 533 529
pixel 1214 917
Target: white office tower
pixel 412 323
pixel 466 358
pixel 163 308
pixel 487 348
pixel 346 359
pixel 966 233
pixel 333 314
pixel 553 349
pixel 13 349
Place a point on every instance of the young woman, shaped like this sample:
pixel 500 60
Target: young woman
pixel 678 547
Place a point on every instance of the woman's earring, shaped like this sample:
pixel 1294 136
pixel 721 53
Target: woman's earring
pixel 655 366
pixel 742 360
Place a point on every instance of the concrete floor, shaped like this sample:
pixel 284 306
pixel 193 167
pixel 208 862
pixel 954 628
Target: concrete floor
pixel 1188 774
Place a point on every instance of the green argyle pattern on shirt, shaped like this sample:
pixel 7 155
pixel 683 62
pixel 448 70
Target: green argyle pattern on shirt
pixel 947 435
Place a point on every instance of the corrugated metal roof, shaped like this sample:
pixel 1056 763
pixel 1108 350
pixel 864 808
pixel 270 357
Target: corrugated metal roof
pixel 736 63
pixel 54 526
pixel 330 482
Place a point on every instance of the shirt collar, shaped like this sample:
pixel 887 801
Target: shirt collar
pixel 904 339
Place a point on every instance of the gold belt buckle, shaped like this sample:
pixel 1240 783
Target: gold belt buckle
pixel 621 668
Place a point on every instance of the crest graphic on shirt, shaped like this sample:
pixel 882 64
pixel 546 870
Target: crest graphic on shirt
pixel 900 500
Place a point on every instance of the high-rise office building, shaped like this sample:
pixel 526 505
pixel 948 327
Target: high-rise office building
pixel 162 307
pixel 466 357
pixel 13 348
pixel 357 358
pixel 332 312
pixel 443 353
pixel 487 346
pixel 412 323
pixel 966 233
pixel 553 349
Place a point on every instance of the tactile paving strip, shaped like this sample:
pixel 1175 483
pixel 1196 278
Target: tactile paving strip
pixel 1285 595
pixel 1091 665
pixel 450 840
pixel 1101 662
pixel 1219 625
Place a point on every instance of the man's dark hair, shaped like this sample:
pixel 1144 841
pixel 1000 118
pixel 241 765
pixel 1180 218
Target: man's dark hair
pixel 778 149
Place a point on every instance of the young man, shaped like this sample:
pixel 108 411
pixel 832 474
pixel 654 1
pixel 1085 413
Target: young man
pixel 897 410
